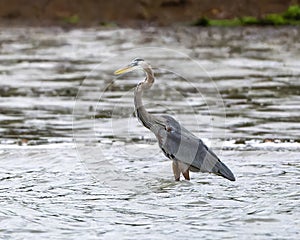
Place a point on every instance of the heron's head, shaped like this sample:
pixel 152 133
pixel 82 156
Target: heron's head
pixel 136 63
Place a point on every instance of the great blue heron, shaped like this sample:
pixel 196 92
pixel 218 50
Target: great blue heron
pixel 187 151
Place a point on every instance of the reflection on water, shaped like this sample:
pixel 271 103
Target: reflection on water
pixel 128 189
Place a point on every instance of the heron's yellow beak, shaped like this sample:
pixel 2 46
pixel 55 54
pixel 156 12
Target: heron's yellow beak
pixel 125 70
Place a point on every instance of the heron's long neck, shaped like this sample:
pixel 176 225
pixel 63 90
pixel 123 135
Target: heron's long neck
pixel 141 111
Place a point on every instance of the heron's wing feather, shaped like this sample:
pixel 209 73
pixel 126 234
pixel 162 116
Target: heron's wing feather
pixel 180 144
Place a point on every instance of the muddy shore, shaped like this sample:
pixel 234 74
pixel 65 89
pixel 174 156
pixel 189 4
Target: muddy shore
pixel 131 12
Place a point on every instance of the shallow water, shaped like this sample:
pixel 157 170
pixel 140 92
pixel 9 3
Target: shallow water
pixel 75 162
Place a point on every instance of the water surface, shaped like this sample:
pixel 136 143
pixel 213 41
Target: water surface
pixel 75 162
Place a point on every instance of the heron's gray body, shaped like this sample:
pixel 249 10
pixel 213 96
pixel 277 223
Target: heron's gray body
pixel 179 144
pixel 187 151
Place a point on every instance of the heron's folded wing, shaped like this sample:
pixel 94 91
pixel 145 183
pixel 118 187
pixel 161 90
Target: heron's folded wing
pixel 181 144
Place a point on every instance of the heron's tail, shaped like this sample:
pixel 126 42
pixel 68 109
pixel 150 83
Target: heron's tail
pixel 224 171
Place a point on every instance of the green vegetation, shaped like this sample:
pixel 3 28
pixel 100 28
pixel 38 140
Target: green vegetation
pixel 108 24
pixel 74 19
pixel 274 19
pixel 225 22
pixel 293 13
pixel 290 17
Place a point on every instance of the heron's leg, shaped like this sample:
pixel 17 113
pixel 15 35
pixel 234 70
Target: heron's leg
pixel 176 170
pixel 184 168
pixel 186 175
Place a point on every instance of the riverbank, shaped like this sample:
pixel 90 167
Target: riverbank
pixel 131 13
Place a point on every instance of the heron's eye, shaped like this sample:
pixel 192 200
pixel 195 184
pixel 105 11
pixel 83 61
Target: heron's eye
pixel 138 60
pixel 168 129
